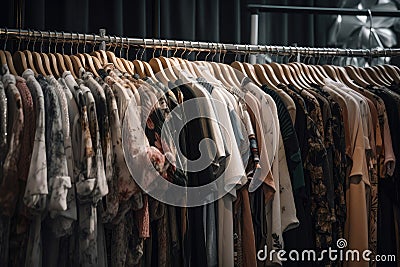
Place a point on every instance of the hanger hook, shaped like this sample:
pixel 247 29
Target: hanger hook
pixel 145 46
pixel 79 42
pixel 29 39
pixel 62 47
pixel 72 43
pixel 312 55
pixel 190 49
pixel 198 51
pixel 184 49
pixel 209 51
pixel 49 42
pixel 162 47
pixel 154 47
pixel 212 57
pixel 219 46
pixel 290 54
pixel 277 54
pixel 127 48
pixel 283 54
pixel 94 42
pixel 308 56
pixel 334 56
pixel 223 57
pixel 109 41
pixel 167 48
pixel 176 48
pixel 19 35
pixel 115 43
pixel 84 43
pixel 220 52
pixel 122 46
pixel 55 41
pixel 245 53
pixel 41 41
pixel 5 42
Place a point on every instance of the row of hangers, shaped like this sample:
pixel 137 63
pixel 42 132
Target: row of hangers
pixel 303 75
pixel 299 74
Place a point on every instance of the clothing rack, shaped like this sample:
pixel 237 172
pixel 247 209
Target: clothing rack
pixel 118 41
pixel 255 9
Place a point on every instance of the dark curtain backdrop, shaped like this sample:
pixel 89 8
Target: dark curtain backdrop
pixel 196 20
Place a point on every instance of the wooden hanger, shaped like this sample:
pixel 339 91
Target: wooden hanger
pixel 10 63
pixel 37 60
pixel 392 72
pixel 218 72
pixel 238 65
pixel 197 71
pixel 166 63
pixel 227 70
pixel 112 58
pixel 45 58
pixel 60 59
pixel 310 72
pixel 303 73
pixel 346 78
pixel 264 78
pixel 381 70
pixel 73 60
pixel 189 65
pixel 251 73
pixel 8 57
pixel 125 62
pixel 175 63
pixel 331 72
pixel 143 68
pixel 76 63
pixel 64 60
pixel 354 76
pixel 291 70
pixel 89 59
pixel 157 67
pixel 299 75
pixel 121 65
pixel 305 76
pixel 318 71
pixel 290 73
pixel 379 75
pixel 182 65
pixel 396 68
pixel 98 55
pixel 19 59
pixel 3 58
pixel 367 77
pixel 139 66
pixel 53 59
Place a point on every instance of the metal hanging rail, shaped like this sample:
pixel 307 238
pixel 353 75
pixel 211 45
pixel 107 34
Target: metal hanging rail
pixel 94 39
pixel 254 8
